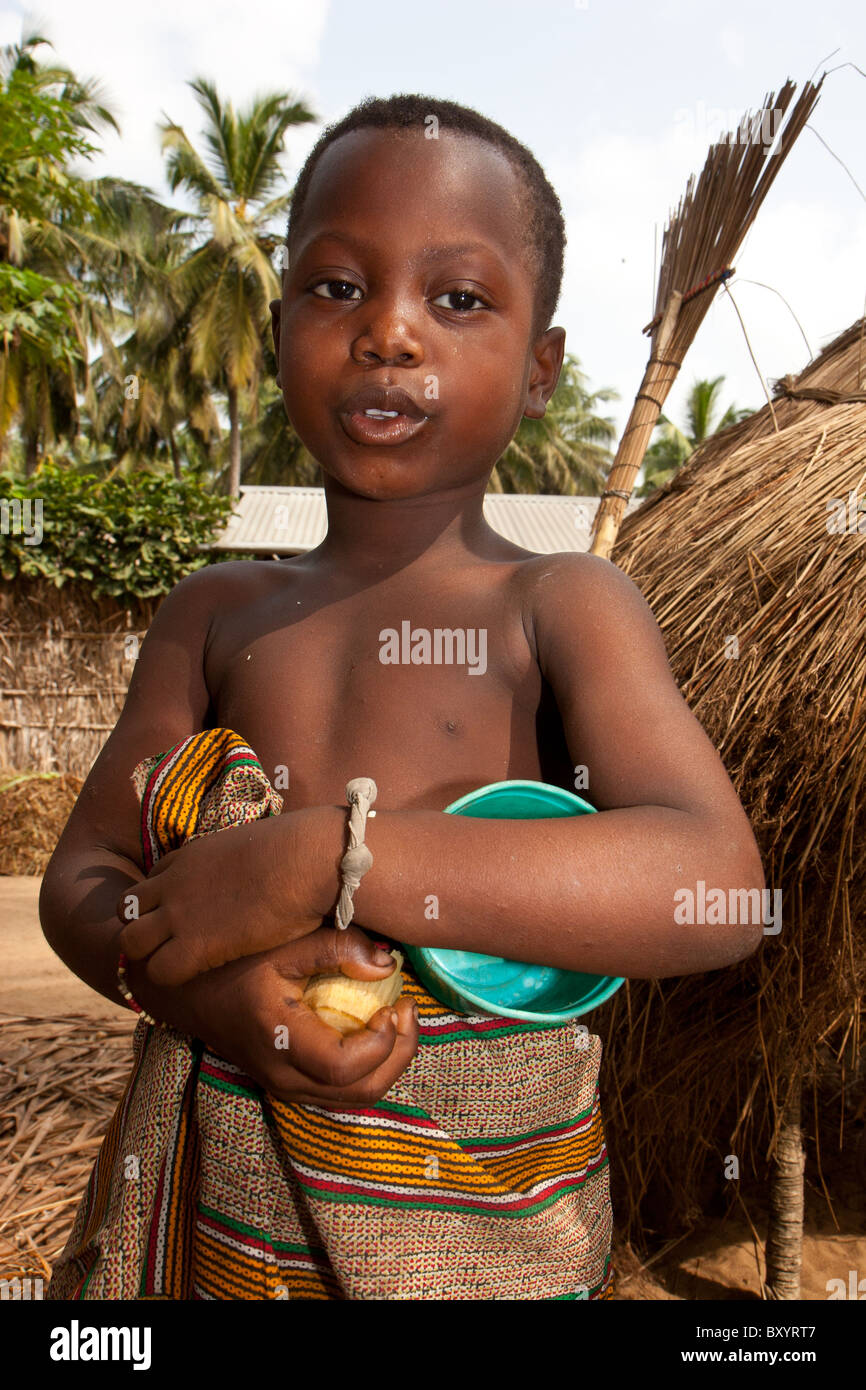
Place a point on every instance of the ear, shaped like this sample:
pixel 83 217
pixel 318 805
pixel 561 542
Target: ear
pixel 547 355
pixel 275 306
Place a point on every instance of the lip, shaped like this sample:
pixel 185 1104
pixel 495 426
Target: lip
pixel 383 398
pixel 397 430
pixel 363 429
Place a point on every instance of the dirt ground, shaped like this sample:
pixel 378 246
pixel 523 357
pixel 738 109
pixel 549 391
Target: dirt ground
pixel 34 980
pixel 723 1260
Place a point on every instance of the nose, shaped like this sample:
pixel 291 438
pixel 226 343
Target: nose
pixel 387 334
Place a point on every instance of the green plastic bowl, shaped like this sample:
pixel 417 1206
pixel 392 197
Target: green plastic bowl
pixel 471 983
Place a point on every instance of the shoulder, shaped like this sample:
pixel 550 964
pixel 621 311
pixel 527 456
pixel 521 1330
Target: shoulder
pixel 223 578
pixel 213 588
pixel 578 596
pixel 575 571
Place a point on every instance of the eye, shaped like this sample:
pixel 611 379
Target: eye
pixel 463 295
pixel 336 289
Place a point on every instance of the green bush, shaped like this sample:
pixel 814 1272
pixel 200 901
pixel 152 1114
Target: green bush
pixel 124 536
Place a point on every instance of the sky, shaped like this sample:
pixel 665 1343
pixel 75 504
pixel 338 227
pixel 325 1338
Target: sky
pixel 619 101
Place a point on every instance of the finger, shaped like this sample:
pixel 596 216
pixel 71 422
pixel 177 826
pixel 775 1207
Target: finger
pixel 146 894
pixel 356 956
pixel 136 900
pixel 407 1020
pixel 325 950
pixel 164 862
pixel 144 935
pixel 175 963
pixel 330 1058
pixel 404 1049
pixel 370 1088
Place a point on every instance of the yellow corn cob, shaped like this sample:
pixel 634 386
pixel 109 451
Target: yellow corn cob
pixel 348 1005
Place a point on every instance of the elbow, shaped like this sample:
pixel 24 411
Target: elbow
pixel 745 944
pixel 732 918
pixel 753 911
pixel 54 904
pixel 50 914
pixel 753 873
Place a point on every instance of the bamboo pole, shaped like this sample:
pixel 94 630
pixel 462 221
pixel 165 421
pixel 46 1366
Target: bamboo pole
pixel 658 378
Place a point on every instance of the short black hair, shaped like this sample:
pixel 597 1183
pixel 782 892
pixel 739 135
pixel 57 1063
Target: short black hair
pixel 541 212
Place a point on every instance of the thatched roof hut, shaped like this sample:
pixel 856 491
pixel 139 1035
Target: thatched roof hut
pixel 754 561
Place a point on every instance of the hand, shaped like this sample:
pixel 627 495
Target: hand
pixel 231 893
pixel 245 1009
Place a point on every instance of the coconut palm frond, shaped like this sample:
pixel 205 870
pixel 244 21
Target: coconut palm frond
pixel 185 166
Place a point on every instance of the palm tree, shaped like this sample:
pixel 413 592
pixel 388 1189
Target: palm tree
pixel 46 116
pixel 47 312
pixel 273 453
pixel 147 399
pixel 43 355
pixel 669 452
pixel 567 452
pixel 225 284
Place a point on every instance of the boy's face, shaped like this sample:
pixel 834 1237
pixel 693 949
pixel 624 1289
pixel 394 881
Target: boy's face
pixel 409 271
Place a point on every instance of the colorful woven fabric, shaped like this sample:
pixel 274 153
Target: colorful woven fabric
pixel 482 1174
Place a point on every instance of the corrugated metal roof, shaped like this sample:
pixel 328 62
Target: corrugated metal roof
pixel 291 520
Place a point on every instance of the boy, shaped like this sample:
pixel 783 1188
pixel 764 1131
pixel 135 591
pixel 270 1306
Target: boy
pixel 425 258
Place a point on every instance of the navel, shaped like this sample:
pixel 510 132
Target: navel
pixel 450 726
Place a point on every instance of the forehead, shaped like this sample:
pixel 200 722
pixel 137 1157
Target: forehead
pixel 405 189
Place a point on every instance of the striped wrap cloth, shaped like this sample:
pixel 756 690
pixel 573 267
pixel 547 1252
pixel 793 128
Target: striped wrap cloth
pixel 482 1174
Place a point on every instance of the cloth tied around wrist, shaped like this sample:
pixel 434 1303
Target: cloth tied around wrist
pixel 361 792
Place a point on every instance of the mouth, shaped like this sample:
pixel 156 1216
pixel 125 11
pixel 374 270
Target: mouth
pixel 381 415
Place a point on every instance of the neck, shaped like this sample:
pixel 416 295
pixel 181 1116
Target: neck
pixel 381 537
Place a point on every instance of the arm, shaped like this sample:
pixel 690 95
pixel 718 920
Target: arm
pixel 592 893
pixel 97 860
pixel 98 855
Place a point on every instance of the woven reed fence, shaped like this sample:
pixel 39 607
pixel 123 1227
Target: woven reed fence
pixel 65 663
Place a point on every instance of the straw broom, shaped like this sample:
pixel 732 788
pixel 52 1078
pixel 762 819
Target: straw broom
pixel 699 245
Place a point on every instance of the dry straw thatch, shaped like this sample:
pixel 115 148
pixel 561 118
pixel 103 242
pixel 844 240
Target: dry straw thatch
pixel 60 1080
pixel 34 808
pixel 65 663
pixel 738 546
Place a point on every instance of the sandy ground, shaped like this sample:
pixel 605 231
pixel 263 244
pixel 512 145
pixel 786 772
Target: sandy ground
pixel 724 1263
pixel 34 980
pixel 723 1260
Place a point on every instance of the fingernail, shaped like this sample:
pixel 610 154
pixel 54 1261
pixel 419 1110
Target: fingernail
pixel 395 1017
pixel 383 958
pixel 415 1011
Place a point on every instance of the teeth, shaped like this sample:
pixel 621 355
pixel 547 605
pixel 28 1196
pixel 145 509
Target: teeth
pixel 382 414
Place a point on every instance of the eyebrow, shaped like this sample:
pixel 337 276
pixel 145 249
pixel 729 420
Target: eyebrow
pixel 441 253
pixel 429 254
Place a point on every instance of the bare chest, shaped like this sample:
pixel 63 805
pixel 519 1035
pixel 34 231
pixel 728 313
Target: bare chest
pixel 431 696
